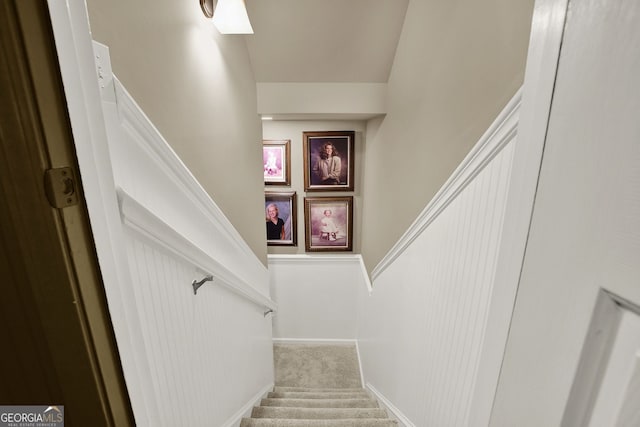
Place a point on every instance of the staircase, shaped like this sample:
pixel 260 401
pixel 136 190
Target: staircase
pixel 317 385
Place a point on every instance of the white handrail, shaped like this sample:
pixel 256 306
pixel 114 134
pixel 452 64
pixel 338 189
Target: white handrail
pixel 146 224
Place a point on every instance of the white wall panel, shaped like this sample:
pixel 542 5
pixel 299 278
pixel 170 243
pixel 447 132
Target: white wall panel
pixel 210 352
pixel 203 359
pixel 431 305
pixel 317 296
pixel 584 238
pixel 428 335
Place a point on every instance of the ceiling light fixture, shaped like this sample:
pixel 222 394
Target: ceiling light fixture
pixel 207 7
pixel 229 16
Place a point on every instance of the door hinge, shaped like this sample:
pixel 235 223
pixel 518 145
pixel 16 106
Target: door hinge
pixel 60 187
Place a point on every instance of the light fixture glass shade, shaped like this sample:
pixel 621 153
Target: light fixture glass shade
pixel 230 17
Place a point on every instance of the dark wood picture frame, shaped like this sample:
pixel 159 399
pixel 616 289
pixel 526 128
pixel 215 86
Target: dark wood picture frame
pixel 335 172
pixel 276 162
pixel 328 224
pixel 286 211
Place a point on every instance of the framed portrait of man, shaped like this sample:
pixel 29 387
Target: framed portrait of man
pixel 329 160
pixel 276 162
pixel 328 224
pixel 280 218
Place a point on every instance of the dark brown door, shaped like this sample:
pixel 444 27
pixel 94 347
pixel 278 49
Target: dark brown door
pixel 56 341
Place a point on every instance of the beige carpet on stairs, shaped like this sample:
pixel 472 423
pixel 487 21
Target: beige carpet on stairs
pixel 317 385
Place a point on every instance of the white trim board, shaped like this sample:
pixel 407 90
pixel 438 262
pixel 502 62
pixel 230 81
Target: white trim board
pixel 245 410
pixel 500 133
pixel 391 409
pixel 70 25
pixel 151 141
pixel 360 364
pixel 300 258
pixel 313 259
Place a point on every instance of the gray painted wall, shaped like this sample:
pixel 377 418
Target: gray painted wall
pixel 457 65
pixel 198 89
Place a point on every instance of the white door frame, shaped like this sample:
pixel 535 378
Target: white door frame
pixel 70 23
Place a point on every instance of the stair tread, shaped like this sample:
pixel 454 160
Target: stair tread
pixel 320 395
pixel 350 422
pixel 321 403
pixel 316 365
pixel 317 386
pixel 317 413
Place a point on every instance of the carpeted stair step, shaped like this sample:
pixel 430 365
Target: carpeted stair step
pixel 317 413
pixel 321 403
pixel 351 422
pixel 315 389
pixel 320 395
pixel 317 386
pixel 303 365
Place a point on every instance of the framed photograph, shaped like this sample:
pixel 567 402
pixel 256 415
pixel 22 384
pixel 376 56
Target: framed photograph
pixel 276 161
pixel 328 223
pixel 280 217
pixel 328 160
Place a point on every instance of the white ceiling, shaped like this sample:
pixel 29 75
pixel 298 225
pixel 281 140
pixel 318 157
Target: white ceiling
pixel 324 40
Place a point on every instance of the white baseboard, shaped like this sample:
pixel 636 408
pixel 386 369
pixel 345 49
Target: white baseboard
pixel 391 409
pixel 360 364
pixel 245 411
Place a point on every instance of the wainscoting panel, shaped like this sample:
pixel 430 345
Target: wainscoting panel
pixel 317 296
pixel 208 351
pixel 426 333
pixel 200 359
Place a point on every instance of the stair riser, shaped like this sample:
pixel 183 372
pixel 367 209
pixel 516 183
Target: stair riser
pixel 315 413
pixel 321 403
pixel 315 390
pixel 266 422
pixel 317 386
pixel 327 395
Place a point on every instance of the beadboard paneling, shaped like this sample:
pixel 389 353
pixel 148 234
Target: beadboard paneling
pixel 432 330
pixel 433 303
pixel 140 220
pixel 201 359
pixel 210 352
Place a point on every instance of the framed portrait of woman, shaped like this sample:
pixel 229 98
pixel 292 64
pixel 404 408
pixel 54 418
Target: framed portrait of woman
pixel 328 224
pixel 280 218
pixel 276 162
pixel 328 160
